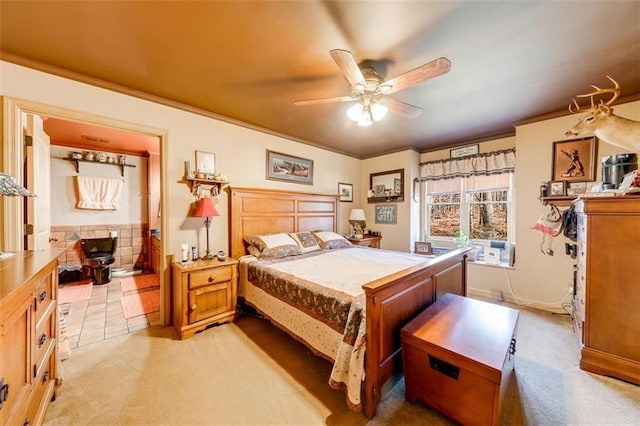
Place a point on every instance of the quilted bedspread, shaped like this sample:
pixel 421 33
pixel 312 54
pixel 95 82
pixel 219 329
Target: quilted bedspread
pixel 327 286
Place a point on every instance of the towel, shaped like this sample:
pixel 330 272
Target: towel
pixel 98 193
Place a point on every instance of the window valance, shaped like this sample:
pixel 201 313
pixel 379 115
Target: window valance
pixel 489 163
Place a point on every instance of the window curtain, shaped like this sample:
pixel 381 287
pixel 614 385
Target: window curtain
pixel 490 163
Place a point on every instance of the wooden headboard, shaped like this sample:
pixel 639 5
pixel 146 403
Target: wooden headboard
pixel 254 211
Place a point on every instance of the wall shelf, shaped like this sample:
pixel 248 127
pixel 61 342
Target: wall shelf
pixel 104 163
pixel 215 186
pixel 560 201
pixel 386 199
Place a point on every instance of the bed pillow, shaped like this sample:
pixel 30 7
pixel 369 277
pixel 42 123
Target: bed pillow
pixel 306 241
pixel 331 240
pixel 274 245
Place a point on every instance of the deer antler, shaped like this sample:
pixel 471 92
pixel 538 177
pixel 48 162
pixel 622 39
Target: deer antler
pixel 615 90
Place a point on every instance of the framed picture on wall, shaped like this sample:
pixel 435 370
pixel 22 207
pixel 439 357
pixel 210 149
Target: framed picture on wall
pixel 574 160
pixel 387 214
pixel 346 192
pixel 205 162
pixel 289 168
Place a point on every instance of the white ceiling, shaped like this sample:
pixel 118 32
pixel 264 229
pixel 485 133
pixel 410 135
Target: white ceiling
pixel 248 61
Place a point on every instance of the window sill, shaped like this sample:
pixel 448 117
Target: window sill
pixel 493 265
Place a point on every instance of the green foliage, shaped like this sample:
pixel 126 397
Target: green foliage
pixel 462 239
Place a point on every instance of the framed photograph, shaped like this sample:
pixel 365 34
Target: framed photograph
pixel 576 188
pixel 386 214
pixel 397 186
pixel 463 151
pixel 557 188
pixel 574 160
pixel 205 162
pixel 380 190
pixel 422 247
pixel 346 192
pixel 289 168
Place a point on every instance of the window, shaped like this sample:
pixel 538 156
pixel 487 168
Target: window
pixel 479 206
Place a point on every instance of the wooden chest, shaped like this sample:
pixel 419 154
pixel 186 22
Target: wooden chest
pixel 458 356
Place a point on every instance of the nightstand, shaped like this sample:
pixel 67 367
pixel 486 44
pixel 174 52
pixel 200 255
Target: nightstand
pixel 204 293
pixel 373 242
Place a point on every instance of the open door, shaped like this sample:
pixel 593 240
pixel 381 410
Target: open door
pixel 37 176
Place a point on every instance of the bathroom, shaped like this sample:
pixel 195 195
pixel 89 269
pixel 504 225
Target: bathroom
pixel 80 151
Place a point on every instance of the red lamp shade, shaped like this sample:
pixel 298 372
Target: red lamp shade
pixel 205 208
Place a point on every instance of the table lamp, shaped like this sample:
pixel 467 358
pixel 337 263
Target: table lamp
pixel 10 188
pixel 357 219
pixel 207 210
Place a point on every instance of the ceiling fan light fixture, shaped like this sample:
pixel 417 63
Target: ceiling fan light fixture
pixel 366 120
pixel 379 110
pixel 366 114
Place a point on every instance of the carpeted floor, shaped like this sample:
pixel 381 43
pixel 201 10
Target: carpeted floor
pixel 251 373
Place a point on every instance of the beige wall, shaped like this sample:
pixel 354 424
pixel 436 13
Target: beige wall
pixel 240 152
pixel 133 201
pixel 401 235
pixel 537 279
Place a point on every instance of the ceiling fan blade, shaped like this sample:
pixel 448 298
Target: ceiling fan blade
pixel 404 109
pixel 349 66
pixel 417 75
pixel 324 100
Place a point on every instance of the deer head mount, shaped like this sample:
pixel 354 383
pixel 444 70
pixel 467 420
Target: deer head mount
pixel 601 121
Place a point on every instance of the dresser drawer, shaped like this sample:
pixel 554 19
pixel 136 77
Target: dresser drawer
pixel 44 338
pixel 44 299
pixel 210 276
pixel 43 388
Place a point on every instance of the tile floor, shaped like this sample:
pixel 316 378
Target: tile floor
pixel 101 317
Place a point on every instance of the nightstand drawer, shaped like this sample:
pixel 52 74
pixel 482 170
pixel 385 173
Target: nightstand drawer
pixel 209 276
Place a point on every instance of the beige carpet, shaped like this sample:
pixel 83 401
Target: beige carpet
pixel 250 373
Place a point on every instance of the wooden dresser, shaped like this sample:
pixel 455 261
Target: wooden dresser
pixel 606 306
pixel 205 292
pixel 28 335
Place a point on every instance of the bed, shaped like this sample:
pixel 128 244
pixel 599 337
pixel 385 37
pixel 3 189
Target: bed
pixel 388 302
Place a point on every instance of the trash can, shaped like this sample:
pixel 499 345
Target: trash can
pixel 69 273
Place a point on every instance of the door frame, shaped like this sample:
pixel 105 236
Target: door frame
pixel 12 156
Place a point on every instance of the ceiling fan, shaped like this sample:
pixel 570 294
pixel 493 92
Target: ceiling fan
pixel 369 90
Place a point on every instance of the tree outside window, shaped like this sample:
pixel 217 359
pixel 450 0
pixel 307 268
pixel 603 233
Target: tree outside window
pixel 478 206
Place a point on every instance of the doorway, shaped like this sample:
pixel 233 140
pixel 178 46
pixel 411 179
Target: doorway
pixel 12 211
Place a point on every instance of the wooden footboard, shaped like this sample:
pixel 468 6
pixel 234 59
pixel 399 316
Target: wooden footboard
pixel 392 302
